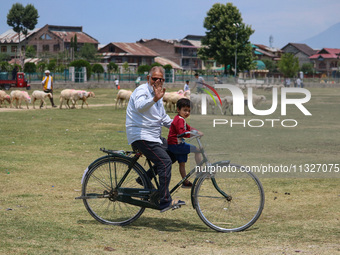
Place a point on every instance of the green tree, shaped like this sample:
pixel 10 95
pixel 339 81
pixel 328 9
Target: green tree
pixel 271 66
pixel 98 69
pixel 112 67
pixel 52 65
pixel 307 68
pixel 30 68
pixel 167 68
pixel 4 57
pixel 88 52
pixel 126 66
pixel 5 66
pixel 289 65
pixel 22 19
pixel 143 68
pixel 226 34
pixel 30 52
pixel 155 64
pixel 41 67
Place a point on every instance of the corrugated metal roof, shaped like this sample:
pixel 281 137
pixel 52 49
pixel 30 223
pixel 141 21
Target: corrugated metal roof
pixel 10 36
pixel 27 60
pixel 135 49
pixel 81 36
pixel 165 61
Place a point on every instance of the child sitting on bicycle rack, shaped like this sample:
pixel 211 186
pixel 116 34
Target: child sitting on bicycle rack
pixel 177 145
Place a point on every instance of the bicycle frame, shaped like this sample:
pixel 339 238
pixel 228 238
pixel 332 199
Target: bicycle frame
pixel 147 197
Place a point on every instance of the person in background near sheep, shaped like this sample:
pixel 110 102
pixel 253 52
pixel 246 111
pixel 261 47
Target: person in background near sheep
pixel 47 83
pixel 177 145
pixel 199 83
pixel 145 116
pixel 137 81
pixel 117 83
pixel 186 86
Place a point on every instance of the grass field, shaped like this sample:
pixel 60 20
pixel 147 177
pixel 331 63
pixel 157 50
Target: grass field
pixel 44 153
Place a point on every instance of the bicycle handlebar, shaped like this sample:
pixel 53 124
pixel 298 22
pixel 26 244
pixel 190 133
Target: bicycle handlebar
pixel 194 133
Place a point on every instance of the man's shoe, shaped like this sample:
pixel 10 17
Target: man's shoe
pixel 174 204
pixel 54 106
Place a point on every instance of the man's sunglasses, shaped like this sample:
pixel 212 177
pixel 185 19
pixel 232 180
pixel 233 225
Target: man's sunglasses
pixel 155 79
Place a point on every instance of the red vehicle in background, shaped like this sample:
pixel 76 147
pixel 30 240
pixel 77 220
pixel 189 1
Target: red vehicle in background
pixel 19 82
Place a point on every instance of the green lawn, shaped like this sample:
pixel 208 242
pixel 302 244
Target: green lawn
pixel 44 154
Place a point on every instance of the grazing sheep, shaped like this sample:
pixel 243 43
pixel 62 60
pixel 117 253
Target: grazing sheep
pixel 270 87
pixel 70 94
pixel 227 104
pixel 5 97
pixel 86 95
pixel 40 95
pixel 256 100
pixel 173 97
pixel 123 96
pixel 196 101
pixel 18 96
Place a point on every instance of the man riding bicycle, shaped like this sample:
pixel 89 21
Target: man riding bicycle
pixel 145 116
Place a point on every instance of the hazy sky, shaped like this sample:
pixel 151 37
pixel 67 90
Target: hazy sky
pixel 130 20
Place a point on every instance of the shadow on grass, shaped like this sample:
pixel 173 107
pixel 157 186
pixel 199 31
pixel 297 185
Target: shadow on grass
pixel 166 225
pixel 160 224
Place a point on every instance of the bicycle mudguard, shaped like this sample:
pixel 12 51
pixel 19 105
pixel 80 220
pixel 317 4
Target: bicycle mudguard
pixel 199 176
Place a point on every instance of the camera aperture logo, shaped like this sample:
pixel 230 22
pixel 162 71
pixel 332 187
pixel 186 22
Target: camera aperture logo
pixel 239 99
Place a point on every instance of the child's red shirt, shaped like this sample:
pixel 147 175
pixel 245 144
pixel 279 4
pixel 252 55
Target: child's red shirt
pixel 178 126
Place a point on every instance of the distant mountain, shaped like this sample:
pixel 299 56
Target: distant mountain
pixel 329 38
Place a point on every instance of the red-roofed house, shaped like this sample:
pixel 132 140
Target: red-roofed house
pixel 326 61
pixel 49 40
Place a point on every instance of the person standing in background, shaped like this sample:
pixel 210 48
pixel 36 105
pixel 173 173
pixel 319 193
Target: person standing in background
pixel 47 83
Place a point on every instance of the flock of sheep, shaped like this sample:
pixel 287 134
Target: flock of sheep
pixel 170 99
pixel 19 96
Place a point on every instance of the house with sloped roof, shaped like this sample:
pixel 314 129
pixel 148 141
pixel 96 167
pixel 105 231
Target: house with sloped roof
pixel 326 61
pixel 300 50
pixel 262 52
pixel 183 52
pixel 135 54
pixel 48 40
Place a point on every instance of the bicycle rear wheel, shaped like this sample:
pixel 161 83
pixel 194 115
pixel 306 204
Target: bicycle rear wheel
pixel 99 186
pixel 229 201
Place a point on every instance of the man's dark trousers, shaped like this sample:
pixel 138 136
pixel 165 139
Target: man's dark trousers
pixel 156 152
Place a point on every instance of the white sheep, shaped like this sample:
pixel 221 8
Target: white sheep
pixel 123 96
pixel 18 96
pixel 40 95
pixel 81 95
pixel 5 97
pixel 196 101
pixel 70 94
pixel 227 104
pixel 211 103
pixel 256 100
pixel 86 95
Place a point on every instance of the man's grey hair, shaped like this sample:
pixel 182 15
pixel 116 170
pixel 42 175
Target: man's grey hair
pixel 155 69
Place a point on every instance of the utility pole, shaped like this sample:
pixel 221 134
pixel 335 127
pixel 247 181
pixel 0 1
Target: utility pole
pixel 237 25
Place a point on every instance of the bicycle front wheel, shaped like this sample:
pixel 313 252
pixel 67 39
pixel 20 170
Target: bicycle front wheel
pixel 229 201
pixel 99 188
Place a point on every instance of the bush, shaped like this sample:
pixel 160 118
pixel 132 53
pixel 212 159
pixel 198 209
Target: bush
pixel 143 68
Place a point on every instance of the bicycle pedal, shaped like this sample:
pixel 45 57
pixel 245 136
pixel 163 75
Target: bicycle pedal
pixel 176 207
